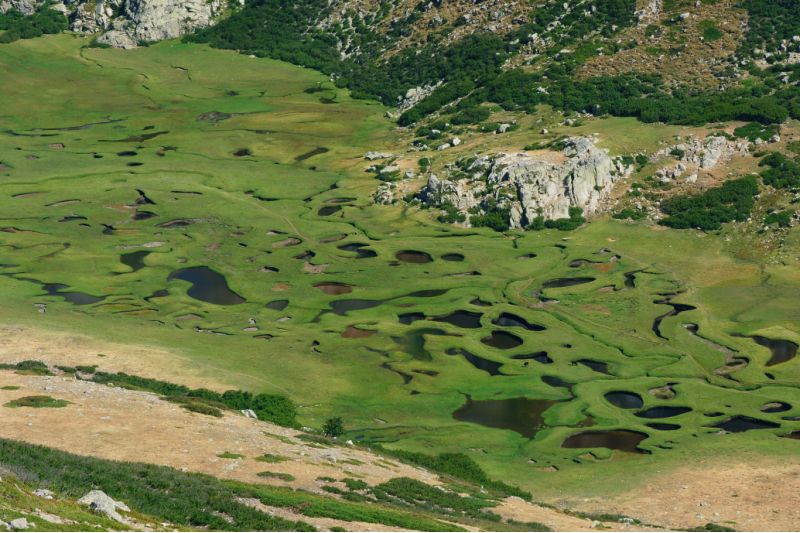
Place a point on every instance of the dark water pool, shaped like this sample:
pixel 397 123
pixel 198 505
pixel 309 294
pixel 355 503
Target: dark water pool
pixel 739 424
pixel 618 439
pixel 490 367
pixel 502 340
pixel 413 256
pixel 207 286
pixel 523 415
pixel 663 411
pixel 566 282
pixel 513 321
pixel 461 319
pixel 624 399
pixel 134 260
pixel 73 297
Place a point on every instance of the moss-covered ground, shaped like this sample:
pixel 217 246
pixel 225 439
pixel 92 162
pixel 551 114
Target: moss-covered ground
pixel 120 169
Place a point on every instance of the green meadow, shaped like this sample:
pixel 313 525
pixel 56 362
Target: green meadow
pixel 217 206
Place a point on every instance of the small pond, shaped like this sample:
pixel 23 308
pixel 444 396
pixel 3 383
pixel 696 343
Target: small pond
pixel 624 399
pixel 502 340
pixel 413 256
pixel 207 286
pixel 514 321
pixel 522 415
pixel 618 439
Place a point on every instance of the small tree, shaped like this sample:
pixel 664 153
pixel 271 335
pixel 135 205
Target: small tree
pixel 333 427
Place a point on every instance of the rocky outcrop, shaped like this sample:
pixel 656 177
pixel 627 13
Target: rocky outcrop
pixel 126 23
pixel 415 95
pixel 650 11
pixel 156 20
pixel 695 155
pixel 530 186
pixel 26 7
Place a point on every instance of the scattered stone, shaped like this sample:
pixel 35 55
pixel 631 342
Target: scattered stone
pixel 372 156
pixel 44 493
pixel 101 503
pixel 19 524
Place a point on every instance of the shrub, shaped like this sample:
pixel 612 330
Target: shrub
pixel 270 407
pixel 37 402
pixel 709 210
pixel 277 475
pixel 754 130
pixel 43 21
pixel 783 173
pixel 271 458
pixel 781 218
pixel 495 218
pixel 333 427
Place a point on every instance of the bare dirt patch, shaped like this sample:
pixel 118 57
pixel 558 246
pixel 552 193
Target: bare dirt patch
pixel 20 343
pixel 760 496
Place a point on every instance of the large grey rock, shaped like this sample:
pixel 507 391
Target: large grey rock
pixel 26 7
pixel 128 22
pixel 702 154
pixel 530 186
pixel 19 524
pixel 101 503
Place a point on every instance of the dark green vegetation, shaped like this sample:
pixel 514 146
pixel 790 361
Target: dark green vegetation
pixel 781 172
pixel 355 312
pixel 18 26
pixel 190 500
pixel 333 427
pixel 270 407
pixel 196 501
pixel 709 210
pixel 37 402
pixel 470 68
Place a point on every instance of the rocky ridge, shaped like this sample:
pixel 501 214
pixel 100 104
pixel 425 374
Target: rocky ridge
pixel 529 186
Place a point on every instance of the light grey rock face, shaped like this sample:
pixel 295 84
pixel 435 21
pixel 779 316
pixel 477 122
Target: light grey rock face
pixel 19 524
pixel 26 7
pixel 415 95
pixel 92 17
pixel 44 493
pixel 372 156
pixel 532 186
pixel 651 11
pixel 101 503
pixel 701 154
pixel 127 22
pixel 155 20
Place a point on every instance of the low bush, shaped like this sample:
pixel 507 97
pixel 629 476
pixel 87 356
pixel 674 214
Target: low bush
pixel 37 402
pixel 709 210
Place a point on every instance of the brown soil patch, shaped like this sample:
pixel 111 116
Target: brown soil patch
pixel 110 423
pixel 310 268
pixel 522 511
pixel 20 343
pixel 334 288
pixel 352 332
pixel 291 241
pixel 746 497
